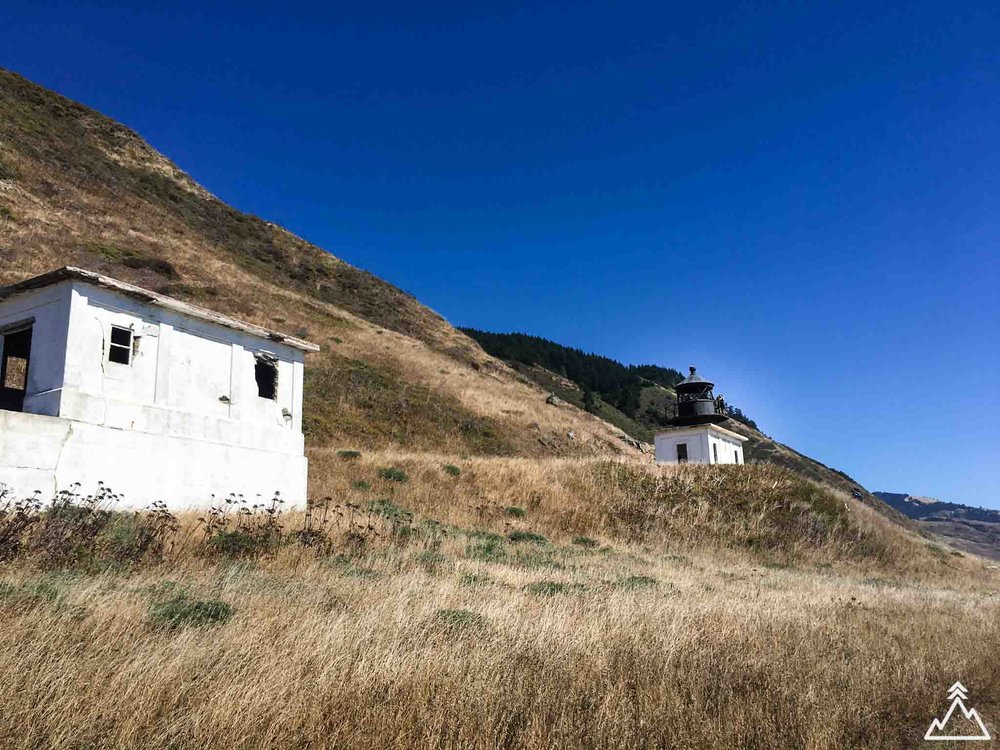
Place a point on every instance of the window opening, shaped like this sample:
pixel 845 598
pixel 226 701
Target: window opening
pixel 14 369
pixel 266 374
pixel 120 350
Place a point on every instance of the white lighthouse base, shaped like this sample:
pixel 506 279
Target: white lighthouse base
pixel 699 444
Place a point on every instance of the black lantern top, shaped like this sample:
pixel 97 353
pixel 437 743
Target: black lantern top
pixel 693 383
pixel 696 403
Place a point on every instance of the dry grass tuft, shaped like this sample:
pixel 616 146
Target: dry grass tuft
pixel 628 607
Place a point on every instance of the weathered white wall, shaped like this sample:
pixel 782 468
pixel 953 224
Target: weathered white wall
pixel 188 378
pixel 48 308
pixel 182 421
pixel 702 442
pixel 50 454
pixel 697 447
pixel 730 451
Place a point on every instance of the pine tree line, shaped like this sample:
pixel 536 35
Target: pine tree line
pixel 616 384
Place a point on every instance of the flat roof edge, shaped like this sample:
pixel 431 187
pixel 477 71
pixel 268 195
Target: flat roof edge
pixel 710 426
pixel 71 273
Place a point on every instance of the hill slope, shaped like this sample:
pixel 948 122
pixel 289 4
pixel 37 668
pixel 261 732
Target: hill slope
pixel 639 399
pixel 971 529
pixel 77 188
pixel 552 597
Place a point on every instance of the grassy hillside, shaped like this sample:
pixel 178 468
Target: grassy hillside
pixel 438 602
pixel 79 189
pixel 639 399
pixel 480 568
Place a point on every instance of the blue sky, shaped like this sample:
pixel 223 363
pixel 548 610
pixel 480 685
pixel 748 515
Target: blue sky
pixel 803 201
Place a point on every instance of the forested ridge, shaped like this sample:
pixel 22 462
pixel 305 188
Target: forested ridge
pixel 615 383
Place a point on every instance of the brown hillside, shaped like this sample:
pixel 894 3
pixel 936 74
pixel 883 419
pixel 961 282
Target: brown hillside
pixel 78 189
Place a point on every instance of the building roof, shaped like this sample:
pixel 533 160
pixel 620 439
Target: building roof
pixel 693 379
pixel 69 273
pixel 699 427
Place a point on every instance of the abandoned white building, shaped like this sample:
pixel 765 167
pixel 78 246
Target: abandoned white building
pixel 101 381
pixel 697 437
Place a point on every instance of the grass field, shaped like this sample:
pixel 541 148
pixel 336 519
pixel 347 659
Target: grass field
pixel 489 603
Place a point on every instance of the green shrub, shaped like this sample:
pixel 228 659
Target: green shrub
pixel 393 475
pixel 452 469
pixel 637 582
pixel 514 512
pixel 488 536
pixel 138 537
pixel 180 612
pixel 551 588
pixel 349 455
pixel 431 560
pixel 356 571
pixel 527 536
pixel 461 619
pixel 390 511
pixel 234 544
pixel 349 569
pixel 6 171
pixel 585 541
pixel 362 485
pixel 487 547
pixel 28 596
pixel 535 556
pixel 474 579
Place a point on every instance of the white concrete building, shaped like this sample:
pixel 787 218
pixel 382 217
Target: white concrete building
pixel 159 399
pixel 697 436
pixel 699 444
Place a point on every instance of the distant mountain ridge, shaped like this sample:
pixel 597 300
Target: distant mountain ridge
pixel 929 508
pixel 969 528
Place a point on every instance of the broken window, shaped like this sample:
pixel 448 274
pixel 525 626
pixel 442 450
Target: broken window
pixel 14 367
pixel 15 375
pixel 266 372
pixel 715 451
pixel 120 350
pixel 682 453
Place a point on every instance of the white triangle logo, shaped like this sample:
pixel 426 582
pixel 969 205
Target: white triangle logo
pixel 939 727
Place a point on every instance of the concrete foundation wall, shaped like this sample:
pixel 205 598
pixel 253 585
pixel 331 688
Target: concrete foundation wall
pixel 50 454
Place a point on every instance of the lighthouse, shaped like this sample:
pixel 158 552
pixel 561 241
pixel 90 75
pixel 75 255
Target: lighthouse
pixel 697 433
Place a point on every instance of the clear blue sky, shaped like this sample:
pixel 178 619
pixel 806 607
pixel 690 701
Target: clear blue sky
pixel 803 201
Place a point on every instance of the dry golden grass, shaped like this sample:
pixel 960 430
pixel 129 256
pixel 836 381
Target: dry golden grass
pixel 445 638
pixel 715 608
